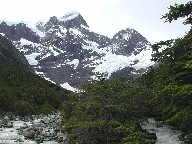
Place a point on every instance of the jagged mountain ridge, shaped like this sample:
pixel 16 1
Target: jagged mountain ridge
pixel 66 50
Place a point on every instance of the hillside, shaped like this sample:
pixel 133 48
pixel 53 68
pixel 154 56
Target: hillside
pixel 21 91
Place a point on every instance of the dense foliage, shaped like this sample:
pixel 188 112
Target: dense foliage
pixel 171 82
pixel 178 11
pixel 107 112
pixel 25 93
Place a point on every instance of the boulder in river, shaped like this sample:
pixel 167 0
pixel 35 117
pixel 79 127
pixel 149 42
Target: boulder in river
pixel 29 134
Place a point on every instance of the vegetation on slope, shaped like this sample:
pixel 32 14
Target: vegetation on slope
pixel 21 91
pixel 25 93
pixel 107 112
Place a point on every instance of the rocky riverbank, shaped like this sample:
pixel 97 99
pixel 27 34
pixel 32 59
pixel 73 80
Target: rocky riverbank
pixel 33 129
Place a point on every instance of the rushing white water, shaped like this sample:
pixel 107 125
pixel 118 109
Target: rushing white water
pixel 165 134
pixel 11 135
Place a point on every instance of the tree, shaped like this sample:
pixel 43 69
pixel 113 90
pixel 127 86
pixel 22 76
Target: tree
pixel 108 111
pixel 179 10
pixel 173 85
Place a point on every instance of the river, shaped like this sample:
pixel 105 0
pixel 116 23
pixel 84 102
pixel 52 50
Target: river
pixel 165 134
pixel 37 129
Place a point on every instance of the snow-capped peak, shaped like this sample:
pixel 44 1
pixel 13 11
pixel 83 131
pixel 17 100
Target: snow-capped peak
pixel 69 16
pixel 66 50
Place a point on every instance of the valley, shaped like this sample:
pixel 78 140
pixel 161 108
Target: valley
pixel 63 83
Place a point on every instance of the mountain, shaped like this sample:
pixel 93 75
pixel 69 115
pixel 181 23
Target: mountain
pixel 65 51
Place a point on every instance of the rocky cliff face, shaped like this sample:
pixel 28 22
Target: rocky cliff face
pixel 128 41
pixel 65 51
pixel 18 31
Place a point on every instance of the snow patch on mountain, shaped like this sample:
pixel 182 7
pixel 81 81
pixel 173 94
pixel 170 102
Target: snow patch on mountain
pixel 48 79
pixel 45 56
pixel 68 87
pixel 55 53
pixel 76 32
pixel 30 25
pixel 32 58
pixel 63 29
pixel 39 73
pixel 64 85
pixel 27 42
pixel 33 27
pixel 84 27
pixel 11 23
pixel 74 62
pixel 111 63
pixel 69 16
pixel 2 34
pixel 126 36
pixel 93 46
pixel 144 58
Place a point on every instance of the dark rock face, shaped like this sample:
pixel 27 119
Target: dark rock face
pixel 53 21
pixel 124 72
pixel 18 31
pixel 75 22
pixel 129 41
pixel 66 50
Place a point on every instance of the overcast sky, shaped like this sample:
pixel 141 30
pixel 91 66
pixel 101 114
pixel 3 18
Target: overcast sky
pixel 106 17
